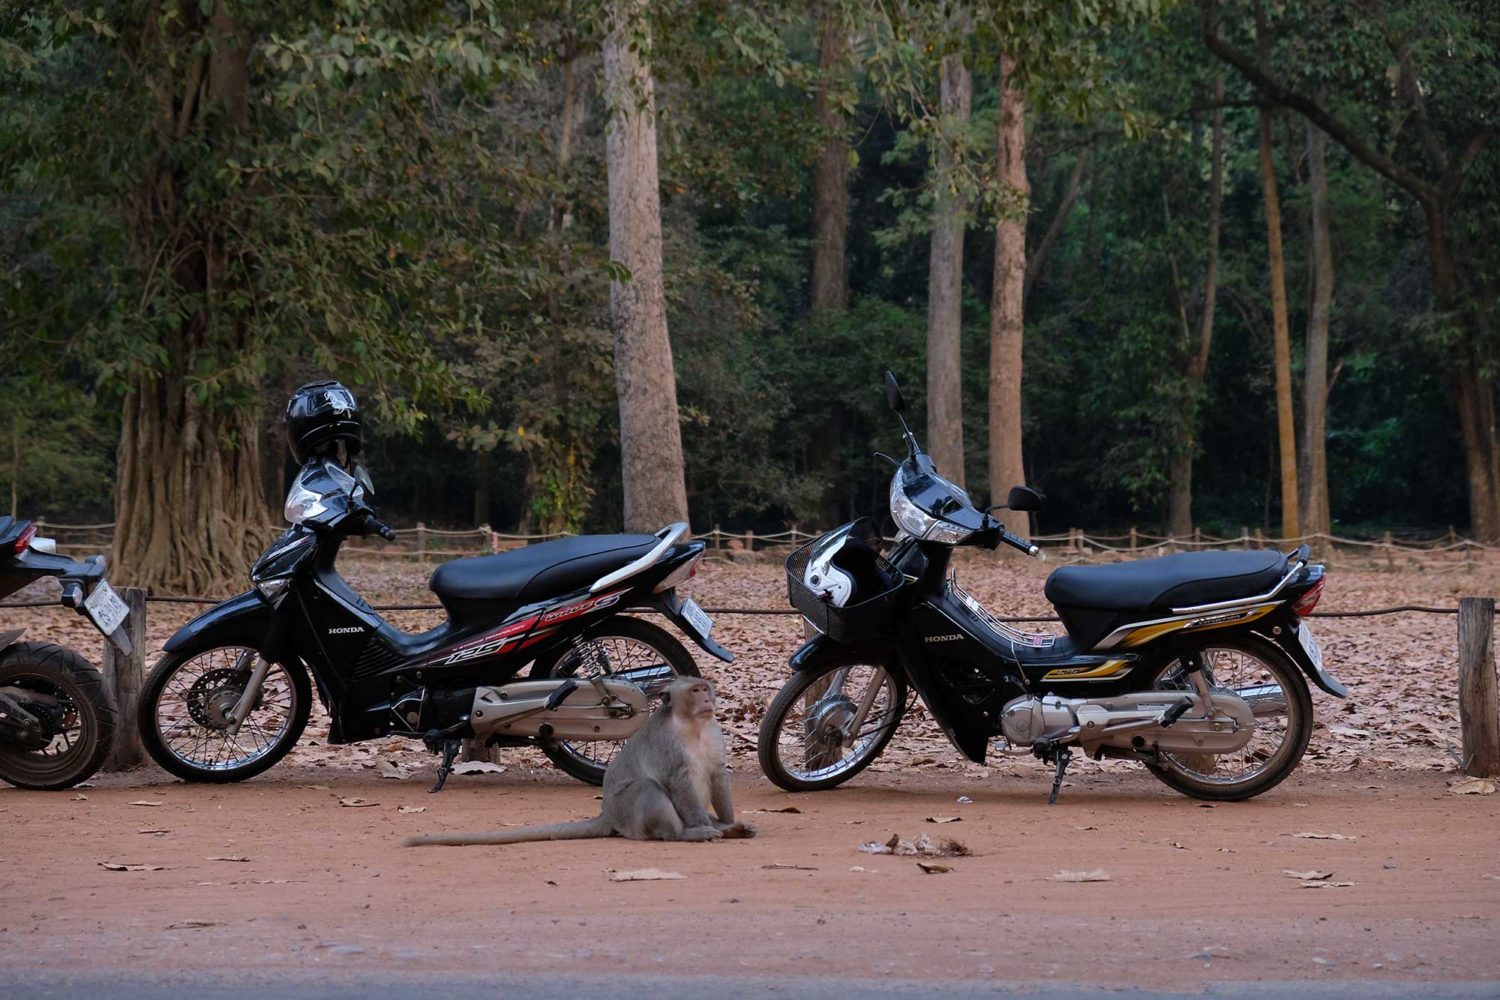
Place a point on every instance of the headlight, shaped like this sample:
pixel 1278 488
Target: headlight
pixel 917 522
pixel 302 504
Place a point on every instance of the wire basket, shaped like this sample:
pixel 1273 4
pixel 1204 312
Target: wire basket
pixel 869 618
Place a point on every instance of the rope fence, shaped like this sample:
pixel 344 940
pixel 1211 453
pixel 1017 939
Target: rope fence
pixel 423 542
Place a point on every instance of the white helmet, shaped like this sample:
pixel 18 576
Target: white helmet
pixel 843 559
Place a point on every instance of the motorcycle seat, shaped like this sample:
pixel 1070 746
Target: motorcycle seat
pixel 1182 580
pixel 546 569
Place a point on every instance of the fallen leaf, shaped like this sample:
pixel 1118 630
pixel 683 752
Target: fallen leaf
pixel 80 798
pixel 183 925
pixel 411 809
pixel 230 857
pixel 1321 884
pixel 477 767
pixel 644 875
pixel 1473 786
pixel 945 819
pixel 390 769
pixel 1180 847
pixel 357 803
pixel 118 866
pixel 1097 875
pixel 316 788
pixel 1082 828
pixel 158 832
pixel 964 800
pixel 1306 876
pixel 145 802
pixel 784 809
pixel 1322 836
pixel 933 868
pixel 777 866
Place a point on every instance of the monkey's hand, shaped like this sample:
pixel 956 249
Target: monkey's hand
pixel 737 831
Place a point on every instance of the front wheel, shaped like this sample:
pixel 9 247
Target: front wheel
pixel 184 708
pixel 648 653
pixel 75 719
pixel 825 726
pixel 1266 677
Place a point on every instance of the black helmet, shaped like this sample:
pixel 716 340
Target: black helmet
pixel 320 415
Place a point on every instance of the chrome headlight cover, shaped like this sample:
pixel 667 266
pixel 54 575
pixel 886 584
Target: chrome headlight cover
pixel 917 522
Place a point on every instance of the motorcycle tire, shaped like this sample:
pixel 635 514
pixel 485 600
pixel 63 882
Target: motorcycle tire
pixel 63 673
pixel 796 691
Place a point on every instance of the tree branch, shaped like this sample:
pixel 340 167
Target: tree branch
pixel 1059 219
pixel 1341 133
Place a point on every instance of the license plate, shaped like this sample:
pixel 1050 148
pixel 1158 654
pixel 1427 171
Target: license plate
pixel 105 607
pixel 701 623
pixel 1310 645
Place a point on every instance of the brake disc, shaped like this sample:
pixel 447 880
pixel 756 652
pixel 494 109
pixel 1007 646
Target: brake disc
pixel 823 730
pixel 214 694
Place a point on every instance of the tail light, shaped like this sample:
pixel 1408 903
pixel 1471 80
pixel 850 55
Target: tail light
pixel 27 533
pixel 1303 606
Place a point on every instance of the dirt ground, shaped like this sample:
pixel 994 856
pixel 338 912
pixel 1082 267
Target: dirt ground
pixel 277 873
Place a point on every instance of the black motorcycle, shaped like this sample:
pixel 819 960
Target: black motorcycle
pixel 231 695
pixel 1191 664
pixel 57 720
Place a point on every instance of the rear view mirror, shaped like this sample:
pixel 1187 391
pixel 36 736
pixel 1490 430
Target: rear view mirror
pixel 1023 498
pixel 893 396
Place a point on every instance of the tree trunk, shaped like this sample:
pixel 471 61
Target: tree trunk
pixel 945 276
pixel 1286 434
pixel 830 278
pixel 1006 330
pixel 1316 515
pixel 651 466
pixel 1180 502
pixel 190 502
pixel 482 486
pixel 1059 219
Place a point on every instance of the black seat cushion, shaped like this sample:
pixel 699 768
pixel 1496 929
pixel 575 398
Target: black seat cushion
pixel 536 571
pixel 1169 581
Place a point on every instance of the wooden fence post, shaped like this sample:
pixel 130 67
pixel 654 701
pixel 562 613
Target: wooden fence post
pixel 421 541
pixel 1132 537
pixel 123 678
pixel 1260 539
pixel 1478 706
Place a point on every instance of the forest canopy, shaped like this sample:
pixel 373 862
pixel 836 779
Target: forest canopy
pixel 204 204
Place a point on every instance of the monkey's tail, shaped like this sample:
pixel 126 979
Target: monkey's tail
pixel 582 829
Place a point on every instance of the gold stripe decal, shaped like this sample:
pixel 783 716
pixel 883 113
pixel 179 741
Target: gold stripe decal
pixel 1149 632
pixel 1109 668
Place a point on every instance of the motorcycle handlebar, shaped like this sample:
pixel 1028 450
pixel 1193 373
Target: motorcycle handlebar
pixel 369 524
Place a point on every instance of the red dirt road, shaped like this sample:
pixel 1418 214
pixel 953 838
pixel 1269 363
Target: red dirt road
pixel 1194 894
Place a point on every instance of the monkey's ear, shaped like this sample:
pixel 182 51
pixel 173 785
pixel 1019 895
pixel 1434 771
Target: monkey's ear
pixel 666 698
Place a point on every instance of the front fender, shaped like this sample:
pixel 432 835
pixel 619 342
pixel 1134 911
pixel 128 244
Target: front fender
pixel 245 620
pixel 821 651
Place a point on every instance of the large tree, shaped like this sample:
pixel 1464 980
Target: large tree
pixel 1006 320
pixel 945 271
pixel 645 379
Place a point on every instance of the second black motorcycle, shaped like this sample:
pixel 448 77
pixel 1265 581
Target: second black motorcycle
pixel 1195 665
pixel 232 693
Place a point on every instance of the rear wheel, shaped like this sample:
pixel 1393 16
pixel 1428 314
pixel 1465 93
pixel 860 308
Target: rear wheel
pixel 825 726
pixel 65 693
pixel 1271 682
pixel 184 706
pixel 648 652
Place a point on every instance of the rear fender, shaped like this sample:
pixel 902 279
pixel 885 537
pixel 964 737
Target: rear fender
pixel 8 639
pixel 1285 632
pixel 670 605
pixel 245 620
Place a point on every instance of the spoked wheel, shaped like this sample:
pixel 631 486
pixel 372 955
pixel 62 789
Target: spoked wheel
pixel 64 693
pixel 824 727
pixel 184 715
pixel 645 653
pixel 1264 676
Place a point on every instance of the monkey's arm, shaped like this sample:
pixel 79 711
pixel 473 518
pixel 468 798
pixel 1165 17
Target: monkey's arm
pixel 724 807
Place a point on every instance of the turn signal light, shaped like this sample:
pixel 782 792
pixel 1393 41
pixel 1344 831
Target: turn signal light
pixel 26 535
pixel 1303 606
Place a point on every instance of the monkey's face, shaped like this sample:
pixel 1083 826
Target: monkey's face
pixel 692 698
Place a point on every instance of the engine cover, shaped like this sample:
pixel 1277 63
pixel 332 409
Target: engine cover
pixel 1118 722
pixel 520 709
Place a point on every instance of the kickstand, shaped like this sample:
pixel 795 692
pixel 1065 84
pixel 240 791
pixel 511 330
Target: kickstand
pixel 1062 756
pixel 450 750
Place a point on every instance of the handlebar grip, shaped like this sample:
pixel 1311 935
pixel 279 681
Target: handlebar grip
pixel 1019 543
pixel 370 524
pixel 385 531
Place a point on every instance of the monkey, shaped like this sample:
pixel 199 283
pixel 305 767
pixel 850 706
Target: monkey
pixel 658 788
